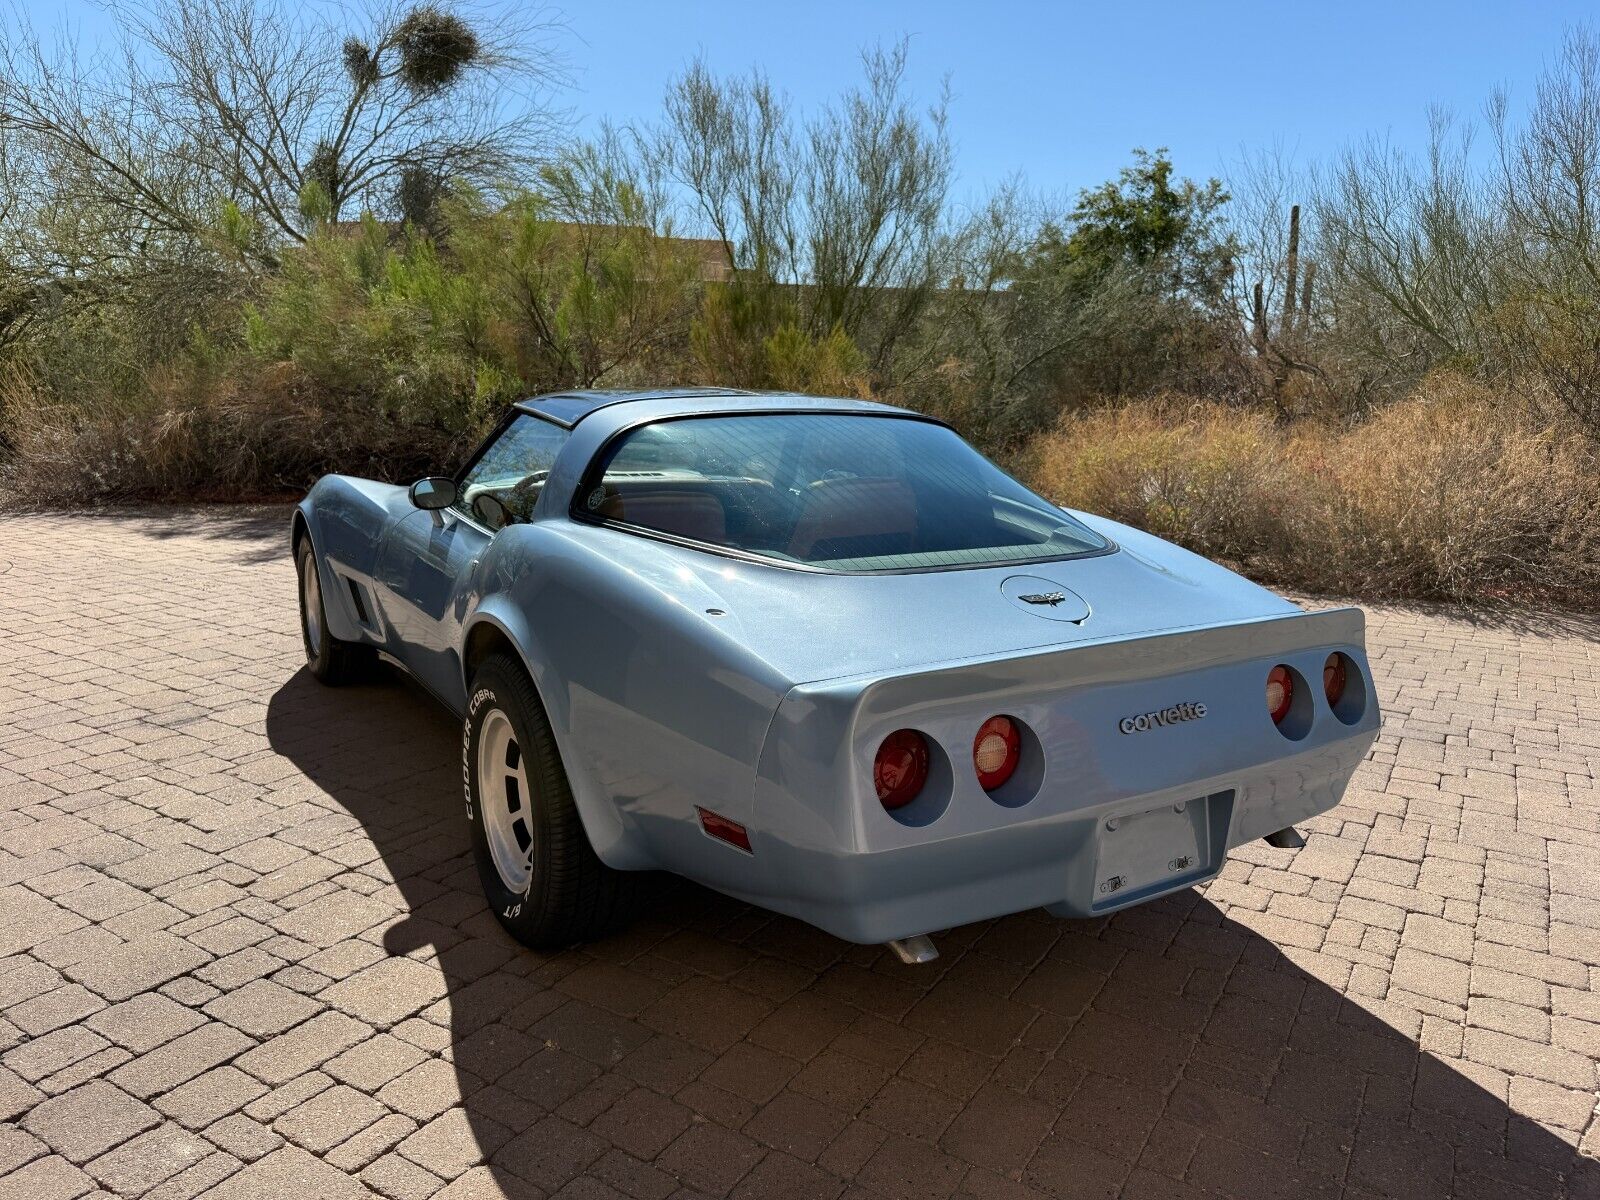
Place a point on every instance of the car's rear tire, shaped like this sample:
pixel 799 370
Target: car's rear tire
pixel 331 661
pixel 539 872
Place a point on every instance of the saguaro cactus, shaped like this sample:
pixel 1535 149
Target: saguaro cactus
pixel 1274 349
pixel 1296 294
pixel 1291 270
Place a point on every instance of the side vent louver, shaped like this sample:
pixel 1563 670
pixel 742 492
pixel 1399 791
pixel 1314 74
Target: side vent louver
pixel 361 608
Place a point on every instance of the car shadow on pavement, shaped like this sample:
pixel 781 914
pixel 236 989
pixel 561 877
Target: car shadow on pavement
pixel 1165 1051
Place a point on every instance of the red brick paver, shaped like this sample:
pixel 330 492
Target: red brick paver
pixel 243 952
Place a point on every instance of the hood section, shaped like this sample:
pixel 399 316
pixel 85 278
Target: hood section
pixel 810 625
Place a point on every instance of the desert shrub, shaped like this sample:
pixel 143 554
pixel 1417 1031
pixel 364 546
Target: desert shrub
pixel 1454 493
pixel 370 350
pixel 832 223
pixel 507 301
pixel 387 319
pixel 1457 492
pixel 743 337
pixel 239 436
pixel 1193 472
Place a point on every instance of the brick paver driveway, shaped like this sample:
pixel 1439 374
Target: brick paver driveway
pixel 245 953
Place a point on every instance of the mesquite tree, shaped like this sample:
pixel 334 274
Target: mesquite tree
pixel 834 225
pixel 278 113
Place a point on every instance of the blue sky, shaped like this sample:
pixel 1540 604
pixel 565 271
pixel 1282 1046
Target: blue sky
pixel 1062 91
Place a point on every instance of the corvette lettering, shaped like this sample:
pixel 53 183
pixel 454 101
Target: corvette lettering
pixel 1176 714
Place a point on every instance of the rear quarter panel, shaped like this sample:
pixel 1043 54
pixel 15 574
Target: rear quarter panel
pixel 655 704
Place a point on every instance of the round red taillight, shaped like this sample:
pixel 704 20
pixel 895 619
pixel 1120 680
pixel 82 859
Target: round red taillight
pixel 996 751
pixel 1280 692
pixel 1334 676
pixel 901 768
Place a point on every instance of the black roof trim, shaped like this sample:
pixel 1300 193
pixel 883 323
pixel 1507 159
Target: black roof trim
pixel 566 409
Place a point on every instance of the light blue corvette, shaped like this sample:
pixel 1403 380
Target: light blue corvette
pixel 823 656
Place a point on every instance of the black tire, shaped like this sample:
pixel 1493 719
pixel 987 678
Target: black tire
pixel 570 896
pixel 332 662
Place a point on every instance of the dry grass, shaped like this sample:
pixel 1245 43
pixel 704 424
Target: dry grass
pixel 1456 493
pixel 261 435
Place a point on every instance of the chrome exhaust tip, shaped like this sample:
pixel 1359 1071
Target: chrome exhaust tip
pixel 914 950
pixel 1287 838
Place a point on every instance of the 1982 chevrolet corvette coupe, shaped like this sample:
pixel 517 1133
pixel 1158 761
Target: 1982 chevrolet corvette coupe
pixel 823 656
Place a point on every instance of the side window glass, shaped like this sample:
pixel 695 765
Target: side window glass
pixel 512 472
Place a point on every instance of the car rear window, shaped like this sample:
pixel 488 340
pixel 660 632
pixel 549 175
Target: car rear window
pixel 843 491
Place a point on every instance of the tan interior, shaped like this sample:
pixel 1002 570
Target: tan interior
pixel 853 508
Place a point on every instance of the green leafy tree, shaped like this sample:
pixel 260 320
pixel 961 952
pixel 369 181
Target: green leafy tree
pixel 1145 221
pixel 1129 293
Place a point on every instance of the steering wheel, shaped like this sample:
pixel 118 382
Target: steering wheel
pixel 524 494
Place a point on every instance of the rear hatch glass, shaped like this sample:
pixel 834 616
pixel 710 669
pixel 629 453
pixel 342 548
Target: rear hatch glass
pixel 840 491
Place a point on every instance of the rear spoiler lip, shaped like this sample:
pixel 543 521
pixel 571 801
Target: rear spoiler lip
pixel 1154 652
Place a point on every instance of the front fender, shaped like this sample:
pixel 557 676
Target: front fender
pixel 341 621
pixel 348 520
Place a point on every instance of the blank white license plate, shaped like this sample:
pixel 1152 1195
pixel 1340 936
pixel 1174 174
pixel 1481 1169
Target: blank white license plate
pixel 1149 851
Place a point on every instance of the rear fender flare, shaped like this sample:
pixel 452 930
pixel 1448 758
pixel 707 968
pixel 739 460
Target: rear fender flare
pixel 613 839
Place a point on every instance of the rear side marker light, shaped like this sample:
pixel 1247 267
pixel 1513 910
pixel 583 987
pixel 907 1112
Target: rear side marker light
pixel 901 768
pixel 724 829
pixel 1335 674
pixel 996 751
pixel 1280 692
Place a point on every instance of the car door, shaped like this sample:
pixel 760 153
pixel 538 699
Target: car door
pixel 424 575
pixel 427 565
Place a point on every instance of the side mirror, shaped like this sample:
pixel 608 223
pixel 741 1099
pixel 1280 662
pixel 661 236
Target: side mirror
pixel 436 491
pixel 491 510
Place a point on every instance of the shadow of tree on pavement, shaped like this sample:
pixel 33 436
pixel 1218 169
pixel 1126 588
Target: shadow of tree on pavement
pixel 260 531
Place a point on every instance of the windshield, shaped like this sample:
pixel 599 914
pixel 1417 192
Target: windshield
pixel 843 491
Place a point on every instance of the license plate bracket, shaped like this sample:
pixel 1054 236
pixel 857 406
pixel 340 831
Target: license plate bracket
pixel 1154 850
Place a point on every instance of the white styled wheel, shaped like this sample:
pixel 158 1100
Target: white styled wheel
pixel 540 875
pixel 507 802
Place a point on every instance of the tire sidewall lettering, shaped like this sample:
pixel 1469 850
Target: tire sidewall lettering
pixel 469 727
pixel 484 700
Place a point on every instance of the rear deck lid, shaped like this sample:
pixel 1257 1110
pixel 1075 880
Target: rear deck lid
pixel 813 625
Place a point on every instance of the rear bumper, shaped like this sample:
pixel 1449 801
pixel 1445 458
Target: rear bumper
pixel 1105 812
pixel 1063 862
